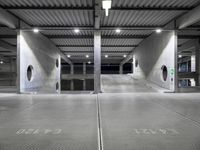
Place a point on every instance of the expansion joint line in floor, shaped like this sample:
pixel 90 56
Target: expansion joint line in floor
pixel 99 124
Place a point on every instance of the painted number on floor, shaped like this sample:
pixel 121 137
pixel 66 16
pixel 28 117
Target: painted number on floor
pixel 38 131
pixel 155 131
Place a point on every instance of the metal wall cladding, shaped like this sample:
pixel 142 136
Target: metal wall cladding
pixel 56 17
pixel 154 3
pixel 51 3
pixel 138 18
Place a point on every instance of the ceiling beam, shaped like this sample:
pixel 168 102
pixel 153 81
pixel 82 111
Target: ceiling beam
pixel 189 18
pixel 8 19
pixel 97 14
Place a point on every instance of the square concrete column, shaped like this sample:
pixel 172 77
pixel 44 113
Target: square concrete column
pixel 197 54
pixel 97 62
pixel 84 73
pixel 72 81
pixel 121 69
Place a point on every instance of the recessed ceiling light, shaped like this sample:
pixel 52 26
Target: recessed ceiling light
pixel 179 56
pixel 106 4
pixel 124 56
pixel 89 62
pixel 68 56
pixel 118 30
pixel 158 30
pixel 76 30
pixel 87 56
pixel 1 62
pixel 35 30
pixel 106 56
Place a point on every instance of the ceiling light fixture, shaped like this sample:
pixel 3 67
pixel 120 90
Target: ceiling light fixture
pixel 89 62
pixel 179 56
pixel 106 5
pixel 87 56
pixel 106 56
pixel 118 30
pixel 1 62
pixel 125 56
pixel 158 30
pixel 68 56
pixel 76 30
pixel 35 30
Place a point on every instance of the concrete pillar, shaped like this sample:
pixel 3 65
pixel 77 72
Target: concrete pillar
pixel 121 69
pixel 72 81
pixel 197 54
pixel 84 73
pixel 97 62
pixel 12 72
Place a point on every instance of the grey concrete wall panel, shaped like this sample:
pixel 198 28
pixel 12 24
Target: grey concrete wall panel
pixel 154 52
pixel 37 51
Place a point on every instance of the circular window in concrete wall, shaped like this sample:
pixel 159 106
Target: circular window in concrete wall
pixel 57 63
pixel 136 63
pixel 30 72
pixel 164 72
pixel 57 86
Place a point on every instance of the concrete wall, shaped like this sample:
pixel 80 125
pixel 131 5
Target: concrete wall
pixel 154 52
pixel 36 50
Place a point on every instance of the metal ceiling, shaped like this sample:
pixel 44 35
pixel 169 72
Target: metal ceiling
pixel 58 18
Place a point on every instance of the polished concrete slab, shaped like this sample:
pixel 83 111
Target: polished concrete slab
pixel 124 84
pixel 48 122
pixel 150 121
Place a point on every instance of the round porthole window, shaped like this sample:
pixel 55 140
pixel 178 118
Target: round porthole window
pixel 57 86
pixel 57 63
pixel 164 72
pixel 136 63
pixel 30 72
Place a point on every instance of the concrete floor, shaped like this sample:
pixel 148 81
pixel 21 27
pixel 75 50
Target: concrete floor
pixel 139 120
pixel 150 121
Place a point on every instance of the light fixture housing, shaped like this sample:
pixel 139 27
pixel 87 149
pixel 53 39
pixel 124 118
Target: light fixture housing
pixel 76 30
pixel 87 56
pixel 35 30
pixel 179 56
pixel 68 56
pixel 158 30
pixel 89 62
pixel 1 62
pixel 106 56
pixel 118 30
pixel 106 4
pixel 125 56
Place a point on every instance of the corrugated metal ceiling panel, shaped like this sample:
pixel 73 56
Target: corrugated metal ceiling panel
pixel 138 18
pixel 7 31
pixel 73 3
pixel 127 32
pixel 56 17
pixel 73 41
pixel 121 41
pixel 66 32
pixel 154 3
